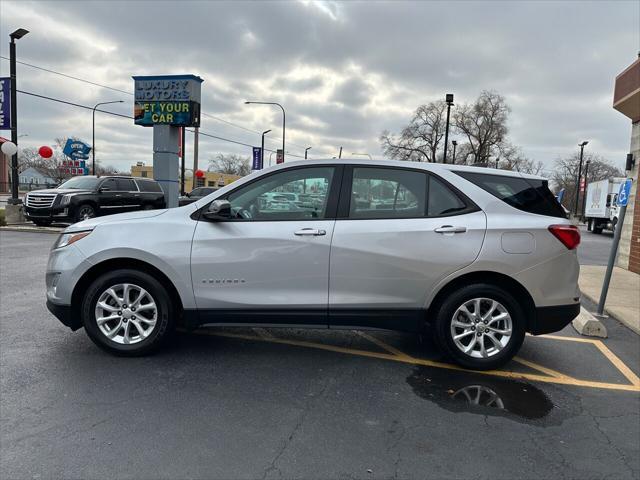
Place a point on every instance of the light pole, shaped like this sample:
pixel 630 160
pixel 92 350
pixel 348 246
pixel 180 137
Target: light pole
pixel 584 195
pixel 575 205
pixel 449 100
pixel 93 138
pixel 305 152
pixel 262 149
pixel 283 119
pixel 363 154
pixel 17 35
pixel 455 144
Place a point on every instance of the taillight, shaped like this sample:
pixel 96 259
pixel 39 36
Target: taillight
pixel 569 235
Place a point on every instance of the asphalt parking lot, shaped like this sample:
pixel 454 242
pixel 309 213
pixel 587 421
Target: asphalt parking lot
pixel 269 403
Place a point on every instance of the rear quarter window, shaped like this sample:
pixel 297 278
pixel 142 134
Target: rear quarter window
pixel 526 194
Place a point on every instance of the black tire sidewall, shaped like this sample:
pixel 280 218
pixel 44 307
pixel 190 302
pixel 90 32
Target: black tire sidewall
pixel 164 324
pixel 444 316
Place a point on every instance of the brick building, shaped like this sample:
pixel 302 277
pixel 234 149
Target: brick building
pixel 626 99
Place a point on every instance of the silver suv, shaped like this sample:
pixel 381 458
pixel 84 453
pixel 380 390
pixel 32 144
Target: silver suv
pixel 476 256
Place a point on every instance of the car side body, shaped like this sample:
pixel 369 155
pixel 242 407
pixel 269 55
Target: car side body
pixel 98 196
pixel 339 270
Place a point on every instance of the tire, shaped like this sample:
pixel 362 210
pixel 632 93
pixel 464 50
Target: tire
pixel 597 228
pixel 157 320
pixel 589 225
pixel 84 211
pixel 452 306
pixel 42 223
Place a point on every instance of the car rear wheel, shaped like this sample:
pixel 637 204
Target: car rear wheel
pixel 480 326
pixel 127 312
pixel 84 212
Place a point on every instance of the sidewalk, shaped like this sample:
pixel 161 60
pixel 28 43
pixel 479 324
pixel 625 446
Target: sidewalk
pixel 623 299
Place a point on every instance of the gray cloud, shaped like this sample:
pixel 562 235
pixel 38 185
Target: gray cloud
pixel 344 71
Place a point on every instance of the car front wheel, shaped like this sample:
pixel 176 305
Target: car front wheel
pixel 127 312
pixel 84 212
pixel 480 326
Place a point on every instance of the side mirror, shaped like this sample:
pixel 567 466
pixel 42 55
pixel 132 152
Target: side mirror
pixel 218 210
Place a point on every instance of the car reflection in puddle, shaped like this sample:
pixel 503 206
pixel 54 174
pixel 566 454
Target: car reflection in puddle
pixel 459 391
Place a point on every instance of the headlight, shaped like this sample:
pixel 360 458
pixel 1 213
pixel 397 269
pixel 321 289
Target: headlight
pixel 69 238
pixel 65 199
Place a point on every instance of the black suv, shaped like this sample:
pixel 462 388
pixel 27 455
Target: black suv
pixel 88 196
pixel 195 194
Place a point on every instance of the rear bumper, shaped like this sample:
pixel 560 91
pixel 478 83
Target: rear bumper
pixel 553 319
pixel 64 313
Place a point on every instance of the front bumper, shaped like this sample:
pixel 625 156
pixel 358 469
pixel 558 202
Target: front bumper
pixel 553 319
pixel 65 314
pixel 50 213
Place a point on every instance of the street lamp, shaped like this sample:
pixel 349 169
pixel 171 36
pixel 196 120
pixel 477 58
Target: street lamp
pixel 305 152
pixel 262 149
pixel 455 144
pixel 283 118
pixel 584 195
pixel 449 100
pixel 364 154
pixel 17 35
pixel 575 205
pixel 93 140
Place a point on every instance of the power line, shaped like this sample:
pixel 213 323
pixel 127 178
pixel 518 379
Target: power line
pixel 45 97
pixel 214 117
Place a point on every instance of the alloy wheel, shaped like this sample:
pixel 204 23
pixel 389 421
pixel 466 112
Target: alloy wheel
pixel 126 313
pixel 481 327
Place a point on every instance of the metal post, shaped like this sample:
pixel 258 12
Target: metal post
pixel 449 100
pixel 196 131
pixel 612 260
pixel 14 200
pixel 305 152
pixel 340 154
pixel 584 195
pixel 575 204
pixel 183 147
pixel 284 119
pixel 455 144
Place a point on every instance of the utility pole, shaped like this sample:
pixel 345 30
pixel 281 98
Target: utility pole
pixel 449 100
pixel 15 180
pixel 584 195
pixel 196 131
pixel 262 149
pixel 305 152
pixel 455 144
pixel 183 148
pixel 340 154
pixel 575 204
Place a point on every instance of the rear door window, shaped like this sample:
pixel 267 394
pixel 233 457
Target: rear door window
pixel 526 194
pixel 442 200
pixel 387 193
pixel 148 186
pixel 125 185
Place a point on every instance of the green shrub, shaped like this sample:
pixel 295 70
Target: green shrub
pixel 2 221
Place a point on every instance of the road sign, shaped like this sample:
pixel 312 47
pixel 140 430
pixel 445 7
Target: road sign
pixel 624 193
pixel 257 158
pixel 75 146
pixel 560 195
pixel 5 106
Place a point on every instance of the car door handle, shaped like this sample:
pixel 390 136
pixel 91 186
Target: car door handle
pixel 118 195
pixel 310 231
pixel 450 229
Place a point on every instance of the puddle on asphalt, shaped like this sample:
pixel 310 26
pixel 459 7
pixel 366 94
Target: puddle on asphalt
pixel 486 395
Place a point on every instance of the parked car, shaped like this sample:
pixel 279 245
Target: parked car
pixel 481 256
pixel 80 198
pixel 195 194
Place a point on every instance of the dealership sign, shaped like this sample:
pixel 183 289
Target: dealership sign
pixel 76 149
pixel 167 100
pixel 5 106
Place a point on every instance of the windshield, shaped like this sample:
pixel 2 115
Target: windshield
pixel 81 183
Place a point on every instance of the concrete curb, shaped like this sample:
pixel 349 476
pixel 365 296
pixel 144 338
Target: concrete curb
pixel 17 228
pixel 613 313
pixel 588 325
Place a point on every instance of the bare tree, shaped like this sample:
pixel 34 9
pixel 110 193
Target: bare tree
pixel 484 124
pixel 566 173
pixel 420 140
pixel 231 164
pixel 512 158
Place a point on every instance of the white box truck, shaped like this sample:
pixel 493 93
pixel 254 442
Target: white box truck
pixel 601 211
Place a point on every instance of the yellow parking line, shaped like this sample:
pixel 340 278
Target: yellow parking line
pixel 565 339
pixel 540 368
pixel 619 364
pixel 382 344
pixel 430 363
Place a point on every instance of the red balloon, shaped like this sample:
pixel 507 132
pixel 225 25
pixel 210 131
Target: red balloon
pixel 45 152
pixel 199 173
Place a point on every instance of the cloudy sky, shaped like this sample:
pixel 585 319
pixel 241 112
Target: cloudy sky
pixel 344 71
